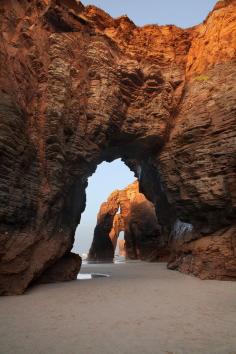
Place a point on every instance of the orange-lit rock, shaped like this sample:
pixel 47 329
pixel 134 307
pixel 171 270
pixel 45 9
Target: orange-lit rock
pixel 127 210
pixel 122 249
pixel 78 87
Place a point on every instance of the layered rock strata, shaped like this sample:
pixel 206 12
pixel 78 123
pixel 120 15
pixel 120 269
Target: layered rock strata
pixel 78 87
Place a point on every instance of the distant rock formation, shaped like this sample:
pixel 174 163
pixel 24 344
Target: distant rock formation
pixel 78 87
pixel 122 248
pixel 127 210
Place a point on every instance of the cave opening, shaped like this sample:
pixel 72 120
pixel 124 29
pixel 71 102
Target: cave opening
pixel 120 221
pixel 108 177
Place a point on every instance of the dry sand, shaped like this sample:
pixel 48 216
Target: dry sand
pixel 142 308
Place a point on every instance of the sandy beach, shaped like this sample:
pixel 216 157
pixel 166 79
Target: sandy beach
pixel 140 308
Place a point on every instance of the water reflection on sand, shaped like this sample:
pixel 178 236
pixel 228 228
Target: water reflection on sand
pixel 87 276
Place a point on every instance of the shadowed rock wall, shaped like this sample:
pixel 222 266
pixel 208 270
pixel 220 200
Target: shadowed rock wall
pixel 78 87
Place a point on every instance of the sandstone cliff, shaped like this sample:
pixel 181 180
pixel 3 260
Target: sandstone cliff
pixel 78 87
pixel 129 211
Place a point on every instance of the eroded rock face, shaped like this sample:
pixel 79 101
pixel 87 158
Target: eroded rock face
pixel 209 257
pixel 65 269
pixel 78 87
pixel 127 210
pixel 106 231
pixel 122 248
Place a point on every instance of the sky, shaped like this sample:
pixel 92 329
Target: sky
pixel 182 13
pixel 115 175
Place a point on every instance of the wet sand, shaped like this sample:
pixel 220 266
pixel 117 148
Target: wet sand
pixel 142 308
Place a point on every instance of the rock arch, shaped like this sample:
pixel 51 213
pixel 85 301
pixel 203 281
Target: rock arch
pixel 79 87
pixel 128 210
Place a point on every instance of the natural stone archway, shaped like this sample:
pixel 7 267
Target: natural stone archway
pixel 78 87
pixel 129 211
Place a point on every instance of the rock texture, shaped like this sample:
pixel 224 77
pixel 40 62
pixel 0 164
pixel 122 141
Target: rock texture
pixel 122 248
pixel 65 269
pixel 78 87
pixel 129 211
pixel 209 257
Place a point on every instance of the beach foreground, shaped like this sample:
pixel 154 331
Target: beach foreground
pixel 140 308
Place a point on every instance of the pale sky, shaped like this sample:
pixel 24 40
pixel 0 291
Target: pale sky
pixel 183 13
pixel 108 177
